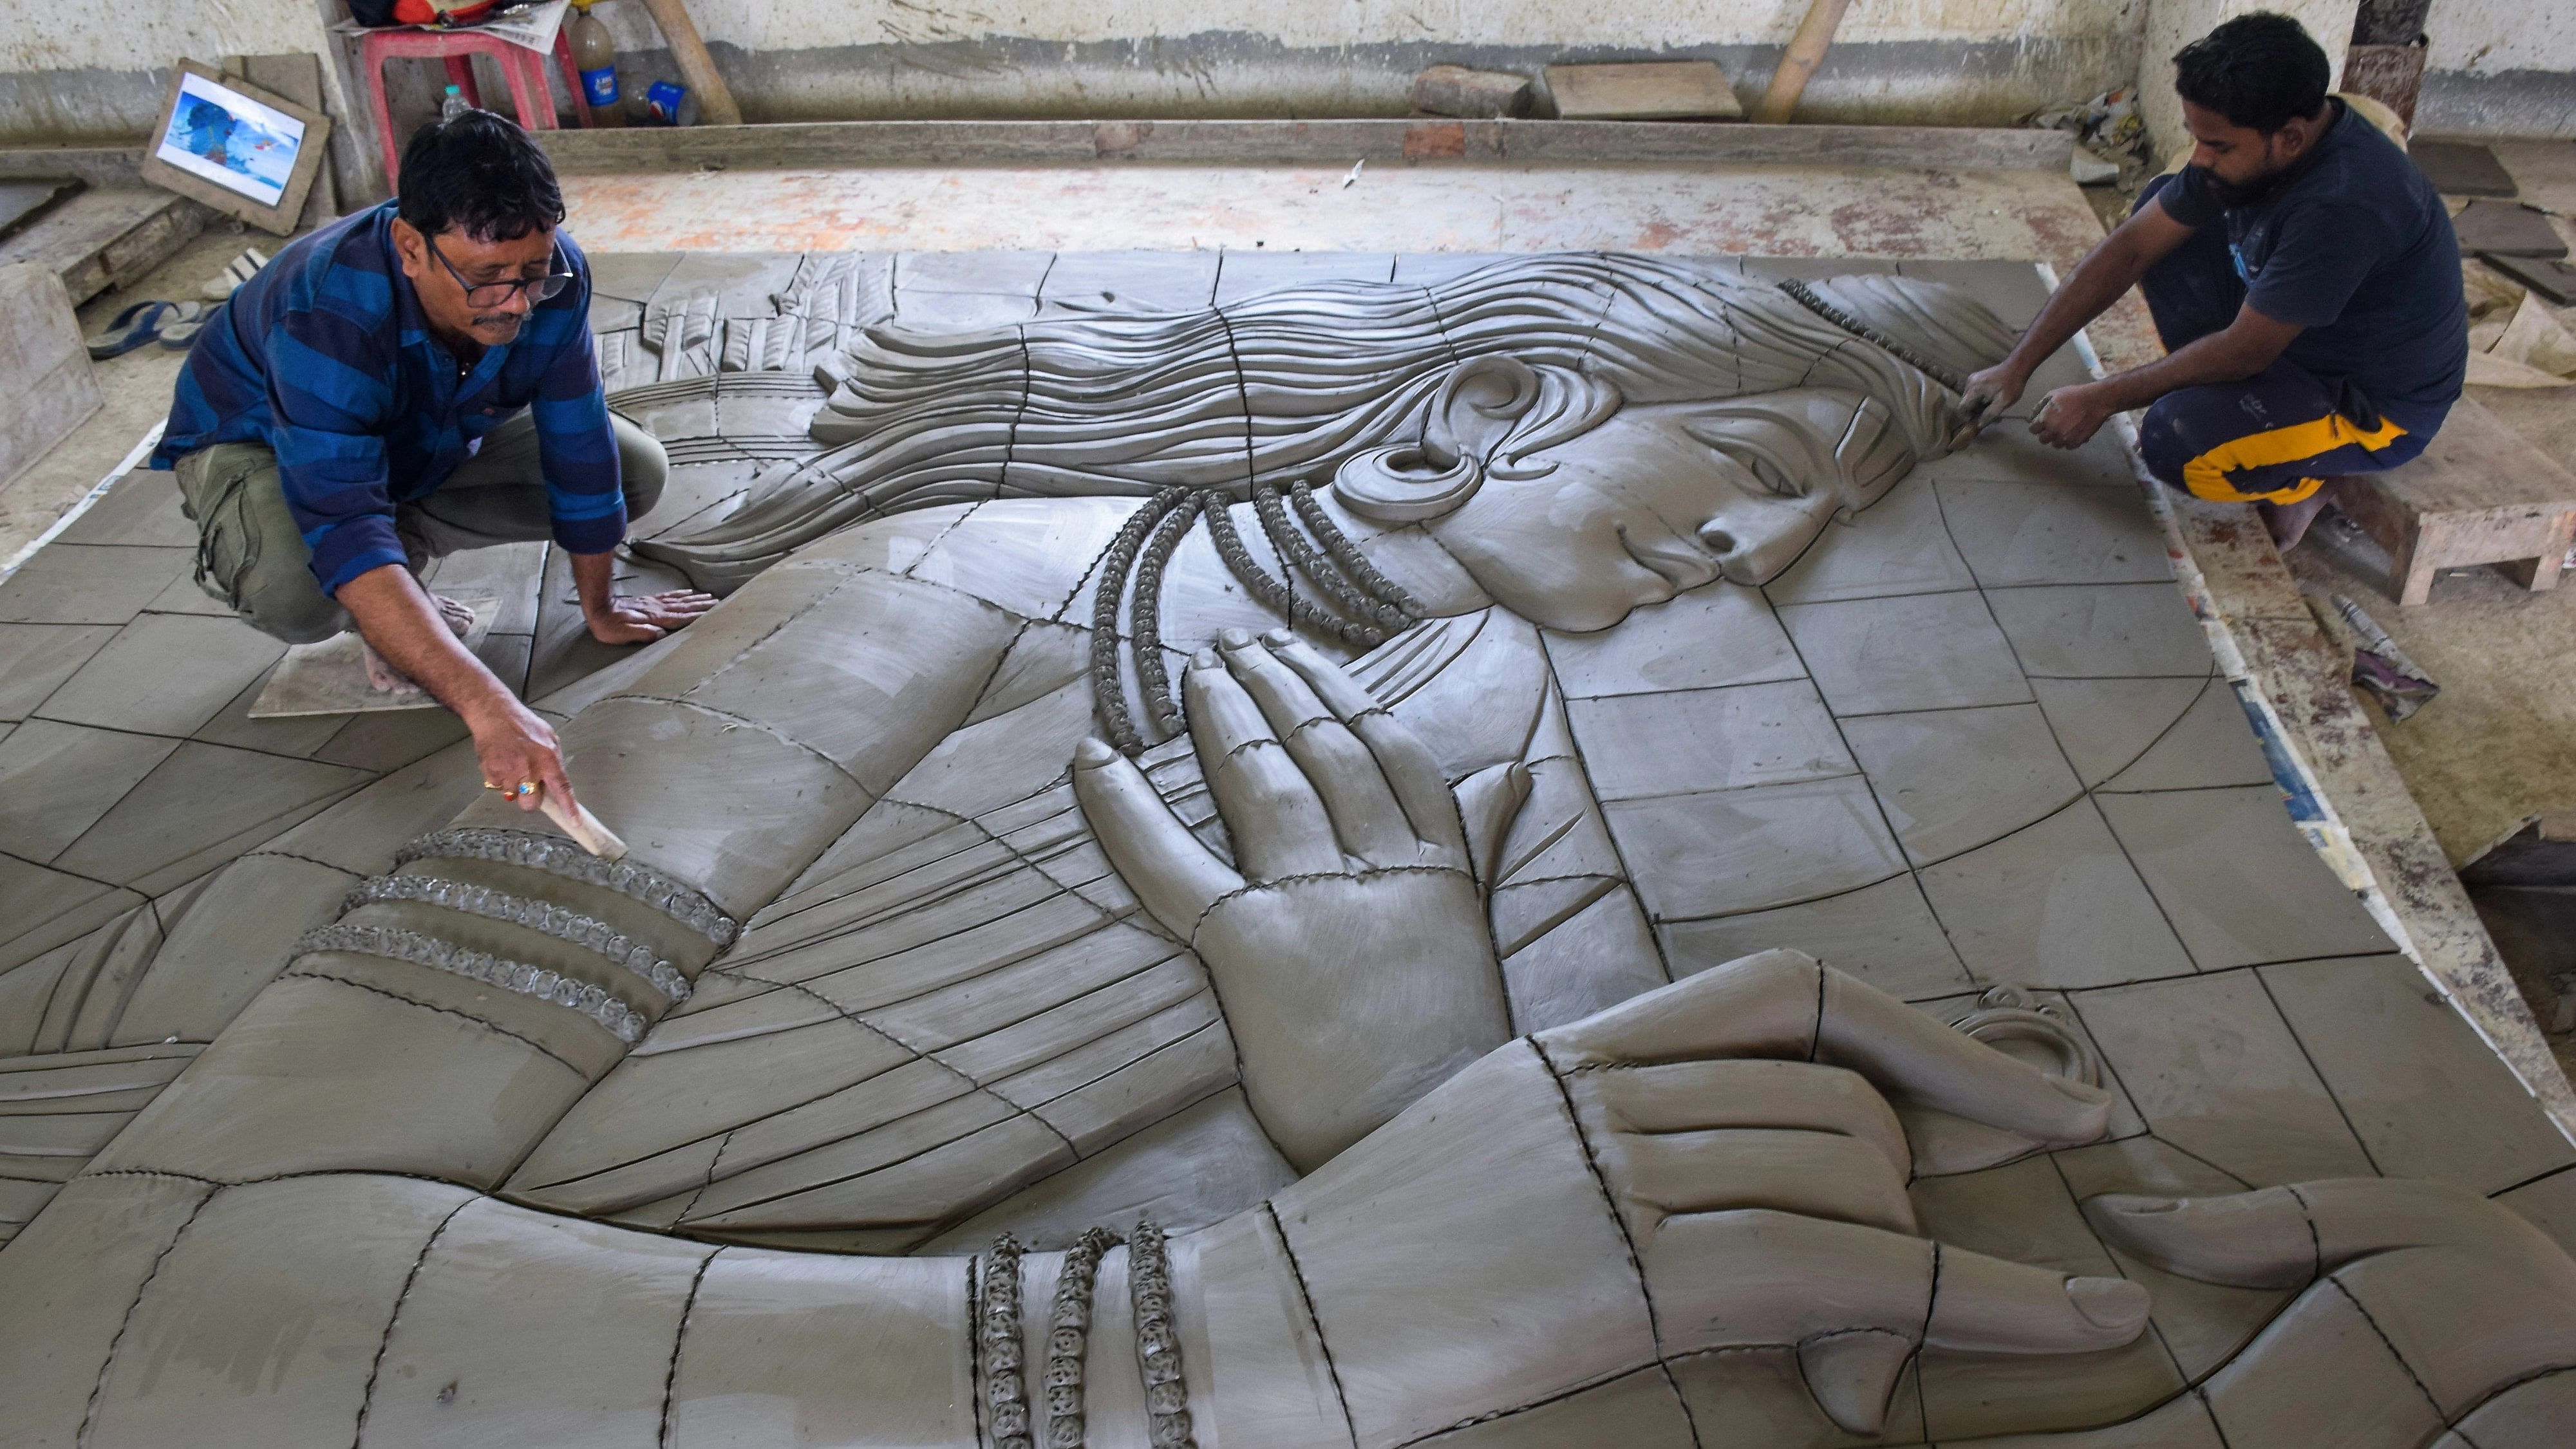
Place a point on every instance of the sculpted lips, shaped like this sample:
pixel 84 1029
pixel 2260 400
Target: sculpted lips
pixel 1679 563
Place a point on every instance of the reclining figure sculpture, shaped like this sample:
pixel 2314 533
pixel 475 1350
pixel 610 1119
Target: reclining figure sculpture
pixel 1293 1069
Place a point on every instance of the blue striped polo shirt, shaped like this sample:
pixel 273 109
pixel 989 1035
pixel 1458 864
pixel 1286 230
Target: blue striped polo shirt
pixel 326 359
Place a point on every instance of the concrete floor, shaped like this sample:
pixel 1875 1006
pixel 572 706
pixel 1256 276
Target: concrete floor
pixel 2460 758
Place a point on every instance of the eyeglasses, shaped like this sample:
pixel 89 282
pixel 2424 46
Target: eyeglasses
pixel 493 294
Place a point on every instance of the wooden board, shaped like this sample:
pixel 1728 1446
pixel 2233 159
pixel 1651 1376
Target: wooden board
pixel 1664 90
pixel 2480 494
pixel 106 237
pixel 22 202
pixel 44 369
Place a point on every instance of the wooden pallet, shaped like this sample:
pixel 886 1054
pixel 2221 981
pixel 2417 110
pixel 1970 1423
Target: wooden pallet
pixel 2480 494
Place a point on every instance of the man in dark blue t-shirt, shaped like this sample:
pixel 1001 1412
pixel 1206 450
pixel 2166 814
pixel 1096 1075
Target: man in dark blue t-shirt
pixel 2304 279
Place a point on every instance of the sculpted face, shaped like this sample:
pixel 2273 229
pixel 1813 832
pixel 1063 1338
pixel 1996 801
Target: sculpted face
pixel 1666 497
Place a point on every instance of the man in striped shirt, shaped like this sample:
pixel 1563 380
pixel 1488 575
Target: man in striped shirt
pixel 408 382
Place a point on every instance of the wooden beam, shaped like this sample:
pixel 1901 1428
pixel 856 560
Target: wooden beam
pixel 715 103
pixel 1806 52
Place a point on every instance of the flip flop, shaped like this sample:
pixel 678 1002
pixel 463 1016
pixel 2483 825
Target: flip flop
pixel 180 331
pixel 129 330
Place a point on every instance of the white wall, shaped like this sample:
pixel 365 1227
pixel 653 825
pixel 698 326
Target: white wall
pixel 2504 67
pixel 94 70
pixel 2173 24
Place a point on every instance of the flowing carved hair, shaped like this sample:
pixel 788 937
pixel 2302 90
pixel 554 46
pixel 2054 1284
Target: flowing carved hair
pixel 1295 383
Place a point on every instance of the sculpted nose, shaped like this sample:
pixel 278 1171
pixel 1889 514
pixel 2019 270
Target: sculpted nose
pixel 1714 537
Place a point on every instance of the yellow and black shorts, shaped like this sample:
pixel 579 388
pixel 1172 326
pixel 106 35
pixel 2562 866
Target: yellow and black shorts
pixel 2273 438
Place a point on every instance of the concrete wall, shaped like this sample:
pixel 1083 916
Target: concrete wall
pixel 2173 24
pixel 97 69
pixel 1967 61
pixel 94 70
pixel 2501 67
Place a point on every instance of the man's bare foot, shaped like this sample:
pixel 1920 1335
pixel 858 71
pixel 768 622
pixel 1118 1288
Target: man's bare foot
pixel 2288 522
pixel 383 677
pixel 458 615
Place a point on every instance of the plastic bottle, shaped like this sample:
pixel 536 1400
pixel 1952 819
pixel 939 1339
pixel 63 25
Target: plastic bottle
pixel 454 104
pixel 595 56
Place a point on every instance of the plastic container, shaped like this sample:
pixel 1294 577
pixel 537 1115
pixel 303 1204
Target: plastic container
pixel 594 55
pixel 453 105
pixel 671 104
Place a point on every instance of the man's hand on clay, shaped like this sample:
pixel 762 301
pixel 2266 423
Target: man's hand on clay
pixel 2070 416
pixel 1989 395
pixel 517 748
pixel 643 618
pixel 1347 936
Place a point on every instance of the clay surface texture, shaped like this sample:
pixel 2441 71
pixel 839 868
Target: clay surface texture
pixel 1265 851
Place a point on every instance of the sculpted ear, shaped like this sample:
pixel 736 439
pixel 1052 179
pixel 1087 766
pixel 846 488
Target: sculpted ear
pixel 1479 406
pixel 1479 416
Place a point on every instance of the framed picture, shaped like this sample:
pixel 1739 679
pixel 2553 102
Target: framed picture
pixel 244 151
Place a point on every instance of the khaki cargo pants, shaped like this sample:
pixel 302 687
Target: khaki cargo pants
pixel 252 559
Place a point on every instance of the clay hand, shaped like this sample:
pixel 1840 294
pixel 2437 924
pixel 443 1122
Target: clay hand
pixel 2070 416
pixel 643 618
pixel 1347 937
pixel 1705 1182
pixel 2424 1306
pixel 1988 396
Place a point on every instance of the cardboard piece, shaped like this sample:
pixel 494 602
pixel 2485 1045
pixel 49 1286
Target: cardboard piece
pixel 2458 168
pixel 331 677
pixel 2507 229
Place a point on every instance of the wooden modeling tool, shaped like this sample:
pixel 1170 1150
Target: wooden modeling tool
pixel 576 821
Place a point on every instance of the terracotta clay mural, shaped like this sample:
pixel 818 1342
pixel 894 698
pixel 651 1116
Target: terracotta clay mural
pixel 1266 850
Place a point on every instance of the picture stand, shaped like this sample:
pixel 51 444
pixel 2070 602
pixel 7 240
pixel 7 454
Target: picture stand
pixel 246 152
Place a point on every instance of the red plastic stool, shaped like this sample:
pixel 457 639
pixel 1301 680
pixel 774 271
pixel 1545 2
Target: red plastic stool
pixel 524 69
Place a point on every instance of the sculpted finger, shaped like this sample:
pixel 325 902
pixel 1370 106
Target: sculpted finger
pixel 1858 1300
pixel 1815 1174
pixel 1175 876
pixel 1681 1097
pixel 1788 1004
pixel 1916 1057
pixel 1411 770
pixel 1990 1305
pixel 1364 813
pixel 1271 811
pixel 2282 1237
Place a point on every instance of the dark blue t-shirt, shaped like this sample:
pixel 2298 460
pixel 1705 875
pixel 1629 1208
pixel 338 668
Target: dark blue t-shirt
pixel 2354 246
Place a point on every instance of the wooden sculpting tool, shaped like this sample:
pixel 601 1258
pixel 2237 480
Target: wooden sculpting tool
pixel 575 819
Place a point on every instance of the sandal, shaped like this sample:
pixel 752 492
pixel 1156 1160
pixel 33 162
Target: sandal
pixel 129 330
pixel 180 331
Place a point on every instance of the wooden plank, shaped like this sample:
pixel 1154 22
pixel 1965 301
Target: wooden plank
pixel 2477 465
pixel 810 144
pixel 1665 90
pixel 43 367
pixel 106 237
